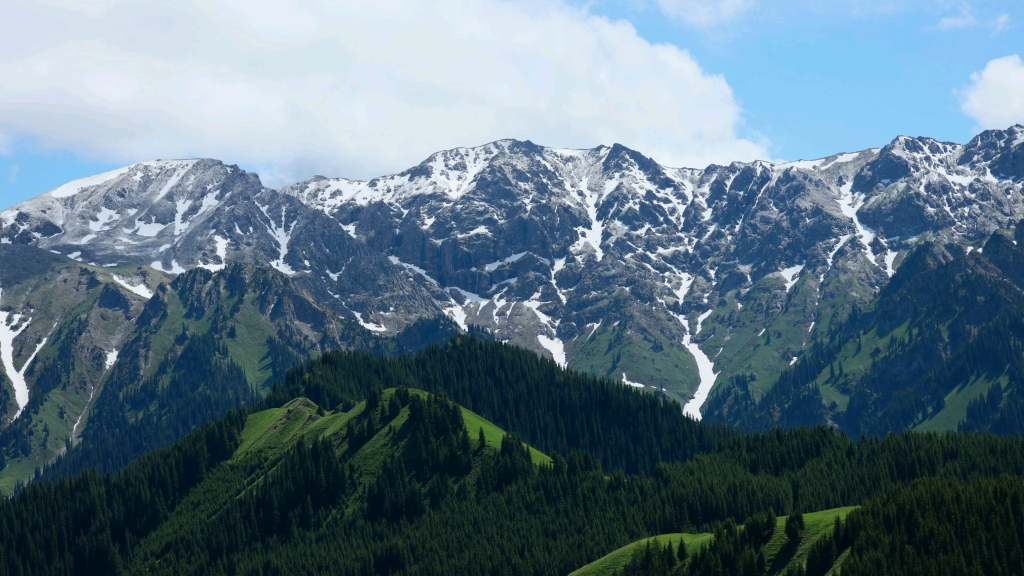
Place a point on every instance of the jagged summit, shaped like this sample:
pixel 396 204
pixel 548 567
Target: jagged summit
pixel 139 211
pixel 182 214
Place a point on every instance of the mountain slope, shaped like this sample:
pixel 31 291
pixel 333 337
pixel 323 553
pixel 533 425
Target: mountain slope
pixel 68 323
pixel 129 359
pixel 945 331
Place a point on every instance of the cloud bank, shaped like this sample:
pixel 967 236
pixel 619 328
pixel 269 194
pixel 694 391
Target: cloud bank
pixel 357 89
pixel 995 97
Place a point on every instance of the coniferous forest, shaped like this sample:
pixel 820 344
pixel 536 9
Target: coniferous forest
pixel 480 458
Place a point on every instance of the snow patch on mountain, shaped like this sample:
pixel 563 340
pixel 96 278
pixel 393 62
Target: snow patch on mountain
pixel 628 382
pixel 555 346
pixel 76 186
pixel 174 269
pixel 180 167
pixel 705 369
pixel 282 235
pixel 849 204
pixel 11 326
pixel 414 268
pixel 890 257
pixel 103 218
pixel 792 274
pixel 455 171
pixel 221 246
pixel 475 231
pixel 839 244
pixel 513 258
pixel 180 225
pixel 591 236
pixel 139 289
pixel 148 229
pixel 109 360
pixel 368 325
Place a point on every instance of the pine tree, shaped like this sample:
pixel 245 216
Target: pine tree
pixel 794 526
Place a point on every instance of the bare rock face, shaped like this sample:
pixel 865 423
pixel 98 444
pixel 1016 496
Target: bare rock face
pixel 603 259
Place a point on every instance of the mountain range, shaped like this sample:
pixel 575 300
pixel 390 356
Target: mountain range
pixel 697 283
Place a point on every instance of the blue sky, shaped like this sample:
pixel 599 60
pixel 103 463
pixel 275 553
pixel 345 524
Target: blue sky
pixel 806 81
pixel 816 81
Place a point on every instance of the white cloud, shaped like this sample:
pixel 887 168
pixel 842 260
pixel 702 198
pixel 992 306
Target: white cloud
pixel 956 22
pixel 965 20
pixel 352 88
pixel 1001 22
pixel 995 97
pixel 12 177
pixel 704 12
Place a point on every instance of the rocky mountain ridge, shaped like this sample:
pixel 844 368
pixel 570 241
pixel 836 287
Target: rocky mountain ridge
pixel 602 259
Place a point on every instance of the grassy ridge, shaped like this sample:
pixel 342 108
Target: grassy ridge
pixel 269 434
pixel 608 565
pixel 816 525
pixel 493 435
pixel 779 555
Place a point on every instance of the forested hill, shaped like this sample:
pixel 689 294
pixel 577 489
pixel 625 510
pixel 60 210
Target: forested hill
pixel 554 409
pixel 348 468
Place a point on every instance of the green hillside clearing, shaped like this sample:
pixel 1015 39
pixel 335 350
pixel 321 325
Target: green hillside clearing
pixel 777 553
pixel 607 565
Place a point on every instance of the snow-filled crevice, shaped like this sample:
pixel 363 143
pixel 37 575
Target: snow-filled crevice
pixel 890 258
pixel 11 326
pixel 849 203
pixel 705 369
pixel 78 421
pixel 414 268
pixel 592 235
pixel 282 235
pixel 552 344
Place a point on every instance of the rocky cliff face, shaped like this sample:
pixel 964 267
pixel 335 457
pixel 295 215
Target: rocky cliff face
pixel 602 259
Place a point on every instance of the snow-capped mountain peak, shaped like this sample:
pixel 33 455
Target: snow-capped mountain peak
pixel 600 258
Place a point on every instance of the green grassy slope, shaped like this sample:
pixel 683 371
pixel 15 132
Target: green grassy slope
pixel 493 435
pixel 779 555
pixel 816 524
pixel 955 410
pixel 653 360
pixel 269 434
pixel 608 565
